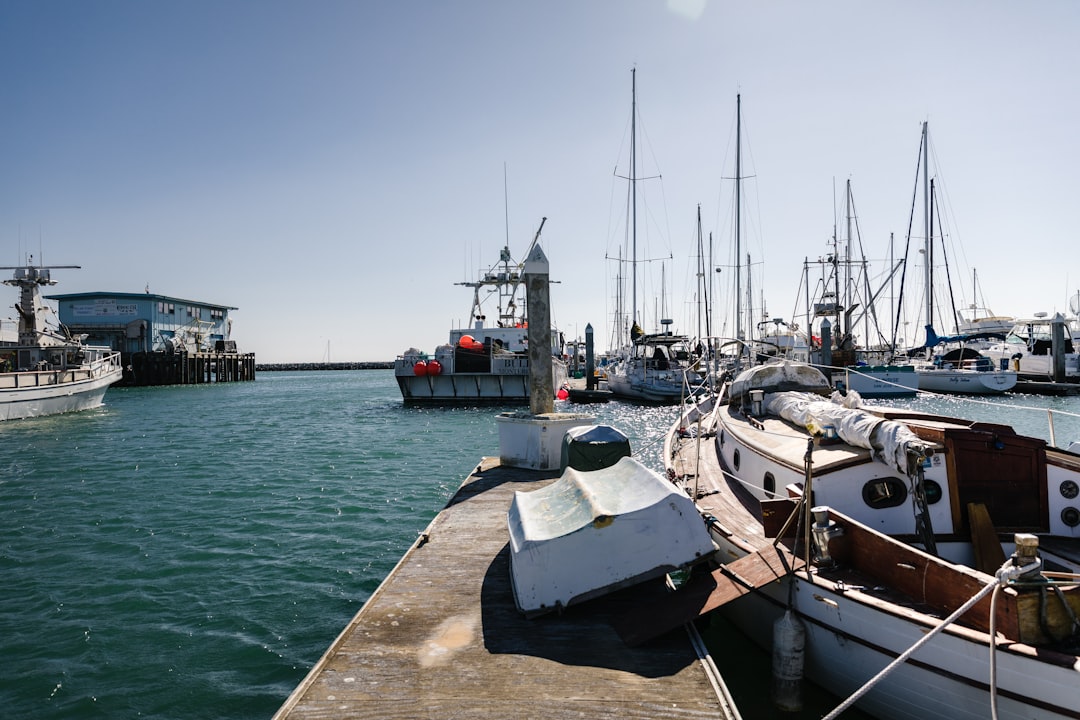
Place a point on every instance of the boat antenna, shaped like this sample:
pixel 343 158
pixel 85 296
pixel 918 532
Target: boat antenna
pixel 506 205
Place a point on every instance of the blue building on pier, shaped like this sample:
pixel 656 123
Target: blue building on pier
pixel 146 322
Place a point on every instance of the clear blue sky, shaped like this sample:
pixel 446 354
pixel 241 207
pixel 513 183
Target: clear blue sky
pixel 333 168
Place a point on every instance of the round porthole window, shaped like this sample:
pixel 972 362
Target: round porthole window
pixel 1069 489
pixel 1070 516
pixel 735 459
pixel 932 490
pixel 769 484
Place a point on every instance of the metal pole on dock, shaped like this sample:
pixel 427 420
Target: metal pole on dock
pixel 590 363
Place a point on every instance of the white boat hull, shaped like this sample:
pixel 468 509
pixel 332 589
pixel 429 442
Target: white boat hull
pixel 849 640
pixel 27 401
pixel 881 381
pixel 967 382
pixel 651 390
pixel 507 383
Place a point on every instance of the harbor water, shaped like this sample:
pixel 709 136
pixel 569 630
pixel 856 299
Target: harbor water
pixel 191 551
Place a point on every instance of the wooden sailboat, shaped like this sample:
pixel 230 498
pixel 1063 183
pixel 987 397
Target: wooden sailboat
pixel 931 564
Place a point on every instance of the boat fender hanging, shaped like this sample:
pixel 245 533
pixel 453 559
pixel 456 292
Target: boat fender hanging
pixel 789 648
pixel 420 369
pixel 434 367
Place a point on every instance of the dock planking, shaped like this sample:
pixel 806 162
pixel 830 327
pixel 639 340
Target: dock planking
pixel 442 638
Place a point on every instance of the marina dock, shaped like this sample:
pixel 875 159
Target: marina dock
pixel 441 637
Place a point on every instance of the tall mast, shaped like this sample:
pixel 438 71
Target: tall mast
pixel 926 221
pixel 738 206
pixel 702 296
pixel 633 183
pixel 847 260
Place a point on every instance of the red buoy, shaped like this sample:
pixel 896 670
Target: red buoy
pixel 434 367
pixel 420 368
pixel 562 394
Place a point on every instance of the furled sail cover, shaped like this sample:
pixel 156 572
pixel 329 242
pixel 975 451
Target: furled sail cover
pixel 893 443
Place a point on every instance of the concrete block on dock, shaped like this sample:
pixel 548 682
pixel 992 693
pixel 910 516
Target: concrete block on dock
pixel 534 442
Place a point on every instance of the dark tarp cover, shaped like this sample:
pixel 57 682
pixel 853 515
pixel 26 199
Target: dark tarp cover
pixel 593 447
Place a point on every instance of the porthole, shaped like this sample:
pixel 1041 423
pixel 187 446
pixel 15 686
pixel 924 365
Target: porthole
pixel 769 484
pixel 932 491
pixel 721 438
pixel 884 493
pixel 1070 516
pixel 1069 489
pixel 735 458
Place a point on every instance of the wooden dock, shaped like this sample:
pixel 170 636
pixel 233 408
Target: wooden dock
pixel 442 638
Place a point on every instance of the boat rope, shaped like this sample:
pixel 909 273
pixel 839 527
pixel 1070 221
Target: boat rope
pixel 1005 574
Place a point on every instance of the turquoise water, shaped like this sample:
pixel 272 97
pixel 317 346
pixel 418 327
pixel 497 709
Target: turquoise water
pixel 190 552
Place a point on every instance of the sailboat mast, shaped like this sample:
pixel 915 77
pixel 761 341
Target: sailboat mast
pixel 847 260
pixel 701 273
pixel 633 183
pixel 926 220
pixel 738 208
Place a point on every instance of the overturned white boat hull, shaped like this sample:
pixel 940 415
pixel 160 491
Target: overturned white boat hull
pixel 590 533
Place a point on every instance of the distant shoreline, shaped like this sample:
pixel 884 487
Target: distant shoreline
pixel 272 367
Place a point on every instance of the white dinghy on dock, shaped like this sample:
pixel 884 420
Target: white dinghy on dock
pixel 590 533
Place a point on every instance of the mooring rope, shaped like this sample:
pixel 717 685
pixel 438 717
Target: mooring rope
pixel 1004 575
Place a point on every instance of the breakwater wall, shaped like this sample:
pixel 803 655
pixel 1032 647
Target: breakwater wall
pixel 270 367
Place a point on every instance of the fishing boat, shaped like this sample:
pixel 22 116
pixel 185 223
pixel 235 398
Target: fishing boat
pixel 916 565
pixel 483 363
pixel 46 371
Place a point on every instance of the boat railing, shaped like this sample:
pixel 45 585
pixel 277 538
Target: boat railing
pixel 102 364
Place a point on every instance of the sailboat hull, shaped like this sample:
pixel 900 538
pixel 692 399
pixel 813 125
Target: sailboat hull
pixel 966 382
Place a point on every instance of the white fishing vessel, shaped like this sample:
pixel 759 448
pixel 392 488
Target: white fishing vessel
pixel 917 565
pixel 46 371
pixel 483 363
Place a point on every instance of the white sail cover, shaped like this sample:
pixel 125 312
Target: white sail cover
pixel 590 533
pixel 890 441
